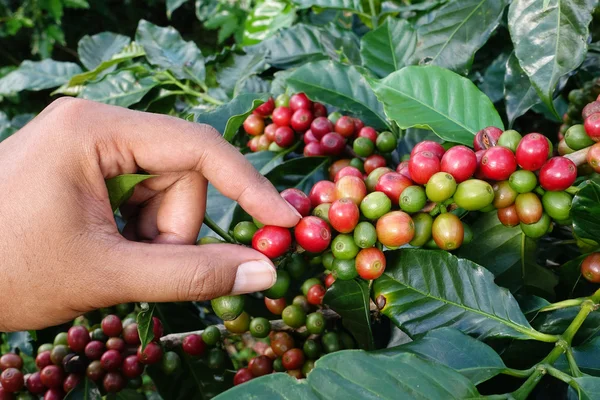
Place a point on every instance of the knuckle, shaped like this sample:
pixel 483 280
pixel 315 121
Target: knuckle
pixel 69 107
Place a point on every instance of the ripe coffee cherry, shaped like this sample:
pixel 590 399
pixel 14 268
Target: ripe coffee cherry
pixel 529 208
pixel 370 263
pixel 293 316
pixel 300 101
pixel 333 143
pixel 54 394
pixel 52 376
pixel 320 127
pixel 94 371
pixel 301 120
pixel 284 136
pixel 117 344
pixel 393 184
pixel 131 335
pixel 78 337
pixel 440 187
pixel 532 151
pixel 253 144
pixel 593 157
pixel 241 376
pixel 403 169
pixel 12 380
pixel 111 360
pixel 315 295
pixel 113 382
pixel 43 359
pixel 592 126
pixel 94 350
pixel 395 229
pixel 504 194
pixel 322 192
pixel 254 125
pixel 261 365
pixel 590 109
pixel 352 171
pixel 313 150
pixel 344 215
pixel 486 138
pixel 460 162
pixel 272 241
pixel 319 110
pixel 275 306
pixel 590 268
pixel 337 166
pixel 11 360
pixel 295 373
pixel 71 381
pixel 282 116
pixel 281 342
pixel 447 231
pixel 508 216
pixel 352 188
pixel 313 234
pixel 428 145
pixel 368 133
pixel 309 137
pixel 298 200
pixel 358 125
pixel 193 345
pixel 498 163
pixel 345 126
pixel 293 359
pixel 151 354
pixel 265 109
pixel 373 162
pixel 34 384
pixel 473 195
pixel 131 367
pixel 422 166
pixel 558 173
pixel 111 326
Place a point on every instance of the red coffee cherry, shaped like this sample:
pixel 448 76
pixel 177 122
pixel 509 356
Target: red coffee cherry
pixel 254 125
pixel 329 280
pixel 54 394
pixel 313 150
pixel 508 216
pixel 261 365
pixel 591 108
pixel 320 127
pixel 358 125
pixel 403 169
pixel 265 109
pixel 300 101
pixel 486 138
pixel 243 375
pixel 592 126
pixel 151 354
pixel 593 157
pixel 5 395
pixel 460 162
pixel 33 383
pixel 309 137
pixel 270 132
pixel 373 162
pixel 346 171
pixel 319 110
pixel 113 382
pixel 94 371
pixel 77 338
pixel 282 116
pixel 315 295
pixel 322 192
pixel 301 120
pixel 52 376
pixel 94 350
pixel 350 187
pixel 112 326
pixel 498 163
pixel 131 335
pixel 395 229
pixel 298 200
pixel 369 133
pixel 529 208
pixel 532 151
pixel 590 268
pixel 293 359
pixel 428 145
pixel 71 381
pixel 370 263
pixel 478 173
pixel 131 367
pixel 422 166
pixel 345 126
pixel 11 360
pixel 272 241
pixel 157 329
pixel 558 173
pixel 43 359
pixel 262 143
pixel 393 184
pixel 12 380
pixel 194 345
pixel 118 344
pixel 313 234
pixel 253 144
pixel 344 215
pixel 333 143
pixel 281 342
pixel 284 136
pixel 111 360
pixel 275 306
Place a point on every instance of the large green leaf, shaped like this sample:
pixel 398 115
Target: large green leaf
pixel 120 188
pixel 520 95
pixel 434 98
pixel 121 88
pixel 556 322
pixel 94 50
pixel 387 48
pixel 455 31
pixel 588 387
pixel 492 81
pixel 472 358
pixel 266 18
pixel 85 390
pixel 38 75
pixel 585 211
pixel 341 86
pixel 550 39
pixel 173 5
pixel 587 357
pixel 350 5
pixel 166 48
pixel 355 374
pixel 427 289
pixel 228 118
pixel 301 173
pixel 350 299
pixel 237 68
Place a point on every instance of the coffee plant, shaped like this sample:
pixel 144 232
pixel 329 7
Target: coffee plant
pixel 444 157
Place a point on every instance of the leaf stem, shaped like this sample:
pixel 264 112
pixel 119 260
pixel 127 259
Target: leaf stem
pixel 217 229
pixel 575 371
pixel 586 308
pixel 188 90
pixel 579 157
pixel 519 373
pixel 558 374
pixel 563 304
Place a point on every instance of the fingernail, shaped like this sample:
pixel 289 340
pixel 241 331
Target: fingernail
pixel 253 276
pixel 294 210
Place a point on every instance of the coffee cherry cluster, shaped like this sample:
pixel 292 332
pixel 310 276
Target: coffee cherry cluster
pixel 110 355
pixel 578 100
pixel 298 118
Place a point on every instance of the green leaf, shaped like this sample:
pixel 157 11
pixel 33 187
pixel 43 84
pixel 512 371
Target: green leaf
pixel 145 323
pixel 350 299
pixel 492 81
pixel 122 88
pixel 550 42
pixel 228 118
pixel 38 75
pixel 350 5
pixel 435 98
pixel 387 48
pixel 300 173
pixel 455 31
pixel 94 50
pixel 556 322
pixel 519 93
pixel 238 68
pixel 475 360
pixel 585 211
pixel 85 390
pixel 341 86
pixel 355 374
pixel 587 357
pixel 588 387
pixel 130 394
pixel 267 17
pixel 341 44
pixel 173 5
pixel 20 340
pixel 120 188
pixel 166 48
pixel 427 289
pixel 80 4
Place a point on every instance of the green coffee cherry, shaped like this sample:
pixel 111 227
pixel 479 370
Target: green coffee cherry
pixel 334 116
pixel 244 231
pixel 281 286
pixel 523 181
pixel 440 187
pixel 386 142
pixel 315 323
pixel 344 270
pixel 312 349
pixel 283 100
pixel 308 284
pixel 413 199
pixel 557 205
pixel 510 139
pixel 260 327
pixel 423 223
pixel 328 260
pixel 375 205
pixel 538 229
pixel 239 325
pixel 211 335
pixel 363 147
pixel 228 308
pixel 322 211
pixel 293 316
pixel 217 359
pixel 358 164
pixel 577 139
pixel 331 342
pixel 170 362
pixel 473 194
pixel 296 266
pixel 209 240
pixel 365 235
pixel 374 176
pixel 344 248
pixel 61 338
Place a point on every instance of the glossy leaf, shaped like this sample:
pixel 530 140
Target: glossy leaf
pixel 266 18
pixel 549 39
pixel 121 89
pixel 341 86
pixel 350 299
pixel 387 48
pixel 94 50
pixel 85 390
pixel 427 289
pixel 145 323
pixel 585 211
pixel 173 5
pixel 300 173
pixel 355 374
pixel 435 98
pixel 556 322
pixel 38 75
pixel 588 387
pixel 120 188
pixel 228 118
pixel 350 5
pixel 587 357
pixel 454 32
pixel 520 95
pixel 237 68
pixel 341 44
pixel 165 48
pixel 472 358
pixel 492 81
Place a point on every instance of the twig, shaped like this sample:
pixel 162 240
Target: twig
pixel 579 157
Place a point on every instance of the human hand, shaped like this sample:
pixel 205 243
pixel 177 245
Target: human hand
pixel 61 254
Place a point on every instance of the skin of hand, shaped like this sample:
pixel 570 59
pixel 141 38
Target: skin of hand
pixel 61 254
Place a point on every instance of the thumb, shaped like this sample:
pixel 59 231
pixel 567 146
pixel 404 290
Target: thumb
pixel 169 273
